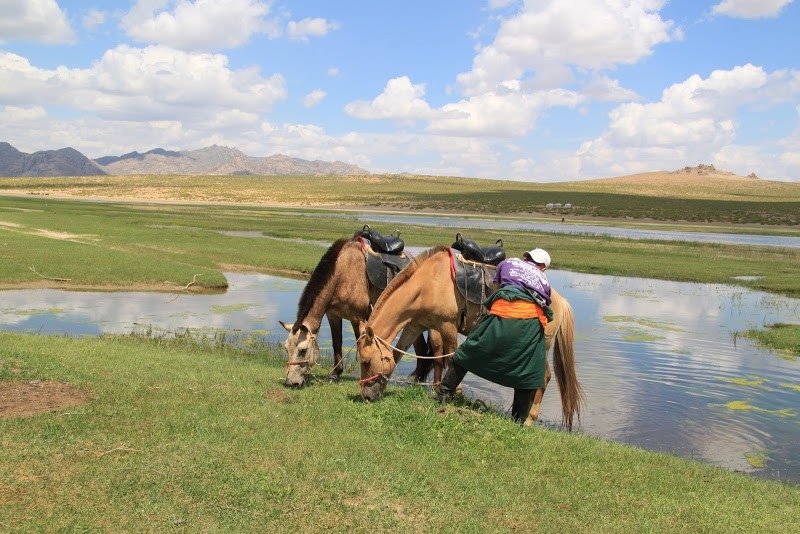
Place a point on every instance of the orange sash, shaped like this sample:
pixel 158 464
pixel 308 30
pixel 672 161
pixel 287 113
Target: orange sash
pixel 518 309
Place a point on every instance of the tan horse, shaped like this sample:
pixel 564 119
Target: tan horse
pixel 338 289
pixel 423 296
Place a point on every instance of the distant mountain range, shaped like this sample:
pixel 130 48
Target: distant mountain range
pixel 210 160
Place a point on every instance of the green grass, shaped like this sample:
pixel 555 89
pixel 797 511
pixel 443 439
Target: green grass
pixel 187 435
pixel 782 337
pixel 162 246
pixel 705 200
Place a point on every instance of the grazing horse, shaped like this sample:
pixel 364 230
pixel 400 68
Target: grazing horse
pixel 425 296
pixel 339 289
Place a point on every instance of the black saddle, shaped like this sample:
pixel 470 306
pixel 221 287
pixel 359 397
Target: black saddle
pixel 382 267
pixel 391 244
pixel 473 278
pixel 474 252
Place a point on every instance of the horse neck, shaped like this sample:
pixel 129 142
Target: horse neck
pixel 403 300
pixel 348 302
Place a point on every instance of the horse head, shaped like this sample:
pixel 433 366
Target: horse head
pixel 303 352
pixel 377 363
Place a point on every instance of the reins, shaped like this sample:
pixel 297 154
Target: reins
pixel 382 376
pixel 379 376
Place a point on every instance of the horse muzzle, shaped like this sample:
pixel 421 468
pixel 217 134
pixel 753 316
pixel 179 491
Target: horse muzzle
pixel 372 388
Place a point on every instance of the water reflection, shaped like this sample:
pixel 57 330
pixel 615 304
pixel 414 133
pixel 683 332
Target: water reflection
pixel 658 360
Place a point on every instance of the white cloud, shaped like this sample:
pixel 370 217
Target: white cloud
pixel 94 18
pixel 313 98
pixel 693 119
pixel 544 37
pixel 17 114
pixel 198 25
pixel 750 9
pixel 152 83
pixel 605 89
pixel 400 100
pixel 34 20
pixel 509 113
pixel 315 27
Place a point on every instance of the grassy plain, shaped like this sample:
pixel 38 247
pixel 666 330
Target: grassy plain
pixel 202 437
pixel 166 235
pixel 187 436
pixel 688 198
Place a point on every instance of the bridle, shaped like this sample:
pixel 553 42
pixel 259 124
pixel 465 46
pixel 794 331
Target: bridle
pixel 380 377
pixel 307 363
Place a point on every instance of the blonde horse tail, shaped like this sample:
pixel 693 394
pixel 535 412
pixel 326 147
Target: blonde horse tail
pixel 572 396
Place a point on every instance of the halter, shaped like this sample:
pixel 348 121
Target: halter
pixel 381 376
pixel 305 362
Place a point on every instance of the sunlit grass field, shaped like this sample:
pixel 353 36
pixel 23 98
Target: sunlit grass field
pixel 186 436
pixel 656 196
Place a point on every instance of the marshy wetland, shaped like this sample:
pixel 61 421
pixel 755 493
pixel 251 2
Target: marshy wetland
pixel 661 340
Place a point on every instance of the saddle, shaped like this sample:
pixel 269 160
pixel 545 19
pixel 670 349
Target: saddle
pixel 391 244
pixel 473 278
pixel 474 252
pixel 382 266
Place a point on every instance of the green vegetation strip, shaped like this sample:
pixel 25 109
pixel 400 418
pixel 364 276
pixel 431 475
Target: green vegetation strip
pixel 783 337
pixel 172 246
pixel 191 435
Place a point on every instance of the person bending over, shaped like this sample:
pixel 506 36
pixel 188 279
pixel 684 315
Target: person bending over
pixel 507 346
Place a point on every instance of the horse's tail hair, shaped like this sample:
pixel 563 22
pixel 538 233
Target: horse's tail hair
pixel 572 396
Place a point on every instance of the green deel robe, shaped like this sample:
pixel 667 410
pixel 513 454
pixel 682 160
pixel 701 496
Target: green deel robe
pixel 508 352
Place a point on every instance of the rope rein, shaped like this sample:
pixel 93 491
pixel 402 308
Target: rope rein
pixel 307 362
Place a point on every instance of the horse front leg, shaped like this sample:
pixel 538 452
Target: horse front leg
pixel 423 365
pixel 436 343
pixel 336 342
pixel 536 405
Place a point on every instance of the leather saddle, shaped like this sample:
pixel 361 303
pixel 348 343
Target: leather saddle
pixel 382 266
pixel 391 244
pixel 474 252
pixel 473 278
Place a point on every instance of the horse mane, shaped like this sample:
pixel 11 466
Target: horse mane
pixel 320 277
pixel 408 271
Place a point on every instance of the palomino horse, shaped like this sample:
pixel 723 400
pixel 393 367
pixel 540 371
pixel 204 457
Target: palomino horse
pixel 424 296
pixel 338 289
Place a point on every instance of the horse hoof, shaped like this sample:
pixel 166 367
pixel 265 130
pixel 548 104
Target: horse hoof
pixel 333 379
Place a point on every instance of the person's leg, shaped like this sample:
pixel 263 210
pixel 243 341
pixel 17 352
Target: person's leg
pixel 450 381
pixel 521 405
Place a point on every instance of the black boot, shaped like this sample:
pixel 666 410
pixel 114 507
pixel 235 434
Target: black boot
pixel 522 404
pixel 450 381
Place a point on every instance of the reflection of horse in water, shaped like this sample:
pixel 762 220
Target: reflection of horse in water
pixel 426 296
pixel 340 288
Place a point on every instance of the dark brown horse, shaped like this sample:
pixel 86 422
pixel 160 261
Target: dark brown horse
pixel 424 296
pixel 338 289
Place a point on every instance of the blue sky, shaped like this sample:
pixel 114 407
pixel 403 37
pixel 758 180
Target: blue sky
pixel 539 90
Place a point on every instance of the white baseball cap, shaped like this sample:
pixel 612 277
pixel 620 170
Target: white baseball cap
pixel 538 255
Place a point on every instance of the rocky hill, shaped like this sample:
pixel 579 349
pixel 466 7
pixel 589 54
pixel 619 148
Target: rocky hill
pixel 210 160
pixel 220 160
pixel 62 162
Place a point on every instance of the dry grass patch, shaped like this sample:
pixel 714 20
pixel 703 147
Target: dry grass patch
pixel 19 398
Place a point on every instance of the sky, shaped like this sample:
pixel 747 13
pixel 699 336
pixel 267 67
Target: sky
pixel 535 90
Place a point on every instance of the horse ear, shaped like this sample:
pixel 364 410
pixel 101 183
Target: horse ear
pixel 286 325
pixel 370 333
pixel 362 326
